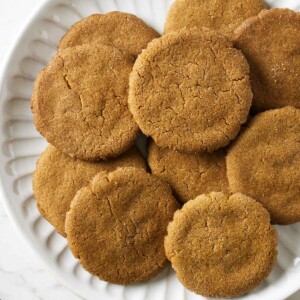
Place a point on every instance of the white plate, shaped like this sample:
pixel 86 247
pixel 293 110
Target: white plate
pixel 21 144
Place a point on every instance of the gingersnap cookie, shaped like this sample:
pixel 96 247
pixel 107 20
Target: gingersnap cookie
pixel 121 30
pixel 58 177
pixel 271 43
pixel 221 245
pixel 223 16
pixel 80 102
pixel 189 174
pixel 117 224
pixel 264 163
pixel 190 91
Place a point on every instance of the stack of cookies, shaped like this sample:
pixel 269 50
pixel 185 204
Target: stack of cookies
pixel 218 96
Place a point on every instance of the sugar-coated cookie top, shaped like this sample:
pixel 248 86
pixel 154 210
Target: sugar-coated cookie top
pixel 116 225
pixel 190 90
pixel 223 16
pixel 264 163
pixel 58 177
pixel 271 43
pixel 189 174
pixel 220 245
pixel 121 30
pixel 80 102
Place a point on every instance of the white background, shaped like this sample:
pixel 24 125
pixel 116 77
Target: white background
pixel 22 276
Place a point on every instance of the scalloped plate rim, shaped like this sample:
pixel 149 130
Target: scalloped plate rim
pixel 23 232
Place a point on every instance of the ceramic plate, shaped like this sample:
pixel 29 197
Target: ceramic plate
pixel 21 145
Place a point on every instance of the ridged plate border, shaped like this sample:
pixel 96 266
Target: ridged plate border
pixel 21 144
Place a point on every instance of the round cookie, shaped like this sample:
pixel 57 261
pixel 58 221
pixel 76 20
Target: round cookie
pixel 80 102
pixel 271 43
pixel 189 174
pixel 223 16
pixel 190 91
pixel 264 163
pixel 58 177
pixel 227 251
pixel 116 225
pixel 121 30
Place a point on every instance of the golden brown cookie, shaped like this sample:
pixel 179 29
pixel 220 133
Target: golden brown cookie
pixel 116 225
pixel 121 30
pixel 189 174
pixel 223 16
pixel 80 102
pixel 58 177
pixel 190 90
pixel 271 43
pixel 264 163
pixel 221 245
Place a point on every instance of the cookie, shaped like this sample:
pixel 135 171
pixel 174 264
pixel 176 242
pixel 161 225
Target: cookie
pixel 220 245
pixel 271 44
pixel 190 91
pixel 121 30
pixel 264 163
pixel 189 174
pixel 116 225
pixel 80 102
pixel 58 177
pixel 223 16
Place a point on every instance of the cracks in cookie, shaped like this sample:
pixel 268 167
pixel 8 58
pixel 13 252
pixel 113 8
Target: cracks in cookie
pixel 223 133
pixel 201 173
pixel 180 90
pixel 228 89
pixel 131 240
pixel 240 79
pixel 110 209
pixel 65 77
pixel 66 81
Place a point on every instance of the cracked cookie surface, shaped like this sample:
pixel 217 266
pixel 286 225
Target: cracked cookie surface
pixel 190 90
pixel 80 102
pixel 121 30
pixel 223 16
pixel 264 163
pixel 58 177
pixel 271 44
pixel 221 245
pixel 189 174
pixel 117 224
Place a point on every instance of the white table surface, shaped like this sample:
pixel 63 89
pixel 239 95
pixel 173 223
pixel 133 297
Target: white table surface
pixel 22 275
